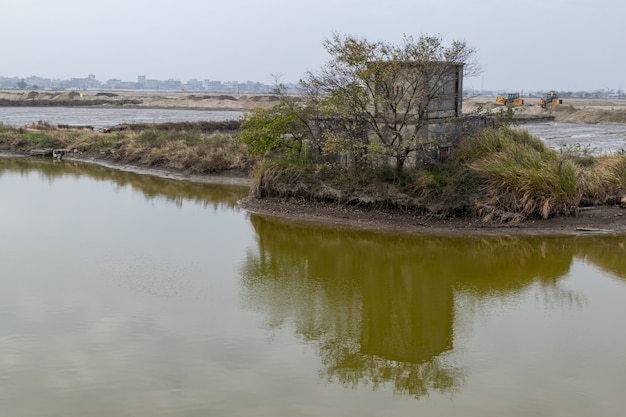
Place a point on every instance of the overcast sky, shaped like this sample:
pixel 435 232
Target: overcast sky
pixel 567 45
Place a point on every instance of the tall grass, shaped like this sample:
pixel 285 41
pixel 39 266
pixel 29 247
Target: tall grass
pixel 521 176
pixel 602 179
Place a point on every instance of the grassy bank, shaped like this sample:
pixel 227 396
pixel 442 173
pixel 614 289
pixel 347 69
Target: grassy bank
pixel 192 148
pixel 502 175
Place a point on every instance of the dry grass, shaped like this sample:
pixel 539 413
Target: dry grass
pixel 521 176
pixel 501 175
pixel 192 150
pixel 603 180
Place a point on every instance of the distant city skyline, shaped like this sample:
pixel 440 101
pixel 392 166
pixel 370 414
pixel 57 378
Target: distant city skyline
pixel 144 83
pixel 567 45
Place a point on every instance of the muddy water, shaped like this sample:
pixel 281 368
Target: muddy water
pixel 593 139
pixel 106 117
pixel 128 295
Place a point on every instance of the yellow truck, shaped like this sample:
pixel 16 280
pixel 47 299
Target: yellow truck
pixel 551 98
pixel 510 99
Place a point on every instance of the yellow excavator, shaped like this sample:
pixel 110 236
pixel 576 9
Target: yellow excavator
pixel 551 98
pixel 510 99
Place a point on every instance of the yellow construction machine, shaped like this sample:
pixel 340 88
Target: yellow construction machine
pixel 510 99
pixel 551 98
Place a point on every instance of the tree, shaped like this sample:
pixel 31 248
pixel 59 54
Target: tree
pixel 282 130
pixel 387 91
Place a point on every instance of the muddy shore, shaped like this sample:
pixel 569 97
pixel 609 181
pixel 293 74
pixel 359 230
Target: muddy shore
pixel 590 220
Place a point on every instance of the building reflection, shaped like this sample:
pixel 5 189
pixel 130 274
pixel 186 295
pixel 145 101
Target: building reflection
pixel 381 308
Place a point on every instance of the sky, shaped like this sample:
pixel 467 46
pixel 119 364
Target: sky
pixel 565 45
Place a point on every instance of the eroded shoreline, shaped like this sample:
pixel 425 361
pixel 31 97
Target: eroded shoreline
pixel 608 220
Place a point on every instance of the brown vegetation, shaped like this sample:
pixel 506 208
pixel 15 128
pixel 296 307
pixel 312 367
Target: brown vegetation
pixel 501 176
pixel 203 148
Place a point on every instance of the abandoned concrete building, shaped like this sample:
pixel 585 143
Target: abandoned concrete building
pixel 418 103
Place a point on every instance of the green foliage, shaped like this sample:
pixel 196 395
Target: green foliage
pixel 506 115
pixel 278 130
pixel 41 140
pixel 574 150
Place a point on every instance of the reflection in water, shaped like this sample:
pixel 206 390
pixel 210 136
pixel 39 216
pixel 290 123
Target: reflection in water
pixel 608 254
pixel 114 301
pixel 151 187
pixel 381 308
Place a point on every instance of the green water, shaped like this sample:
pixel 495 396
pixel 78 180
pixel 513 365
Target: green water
pixel 129 295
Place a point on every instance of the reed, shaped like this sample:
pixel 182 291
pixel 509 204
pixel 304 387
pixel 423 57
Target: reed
pixel 521 176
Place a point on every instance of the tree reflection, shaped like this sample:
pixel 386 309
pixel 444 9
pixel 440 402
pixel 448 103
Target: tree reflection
pixel 150 186
pixel 381 308
pixel 345 362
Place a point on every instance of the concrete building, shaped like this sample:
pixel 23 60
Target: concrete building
pixel 414 111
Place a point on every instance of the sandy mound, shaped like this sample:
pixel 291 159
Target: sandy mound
pixel 571 111
pixel 67 95
pixel 570 114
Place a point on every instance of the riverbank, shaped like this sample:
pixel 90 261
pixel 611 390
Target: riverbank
pixel 590 220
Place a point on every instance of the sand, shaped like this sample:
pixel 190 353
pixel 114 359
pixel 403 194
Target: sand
pixel 571 111
pixel 139 99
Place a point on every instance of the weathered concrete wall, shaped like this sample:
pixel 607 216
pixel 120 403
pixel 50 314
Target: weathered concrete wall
pixel 435 140
pixel 443 135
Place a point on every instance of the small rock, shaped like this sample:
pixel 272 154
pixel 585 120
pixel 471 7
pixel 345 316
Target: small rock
pixel 622 202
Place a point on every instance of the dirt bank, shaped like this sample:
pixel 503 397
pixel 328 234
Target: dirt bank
pixel 137 99
pixel 571 111
pixel 596 220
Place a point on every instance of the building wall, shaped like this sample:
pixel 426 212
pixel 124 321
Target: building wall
pixel 449 101
pixel 428 90
pixel 439 112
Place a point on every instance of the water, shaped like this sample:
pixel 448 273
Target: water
pixel 595 139
pixel 128 295
pixel 106 117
